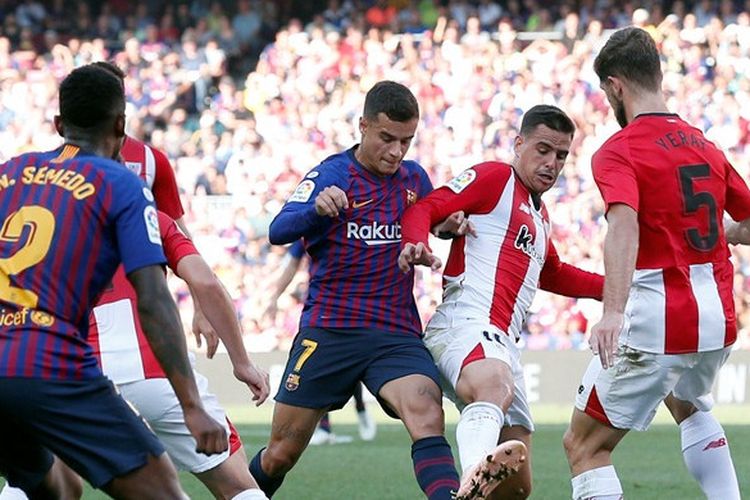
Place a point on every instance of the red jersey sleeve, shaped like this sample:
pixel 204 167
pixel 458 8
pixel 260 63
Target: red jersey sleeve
pixel 476 190
pixel 564 279
pixel 176 244
pixel 165 187
pixel 614 175
pixel 738 195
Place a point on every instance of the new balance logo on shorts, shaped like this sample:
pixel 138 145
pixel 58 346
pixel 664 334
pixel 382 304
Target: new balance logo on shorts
pixel 716 444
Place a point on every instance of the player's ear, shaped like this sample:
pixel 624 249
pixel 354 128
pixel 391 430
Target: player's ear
pixel 362 125
pixel 517 143
pixel 119 125
pixel 57 120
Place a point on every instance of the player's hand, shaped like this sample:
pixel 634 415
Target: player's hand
pixel 210 437
pixel 417 254
pixel 331 201
pixel 256 379
pixel 202 327
pixel 604 337
pixel 457 224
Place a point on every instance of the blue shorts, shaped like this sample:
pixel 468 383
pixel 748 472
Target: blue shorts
pixel 326 364
pixel 84 422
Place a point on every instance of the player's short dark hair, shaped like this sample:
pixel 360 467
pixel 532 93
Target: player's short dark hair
pixel 112 68
pixel 545 114
pixel 393 99
pixel 631 54
pixel 90 97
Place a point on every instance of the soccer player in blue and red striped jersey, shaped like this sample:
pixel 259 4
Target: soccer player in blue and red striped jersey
pixel 360 320
pixel 69 218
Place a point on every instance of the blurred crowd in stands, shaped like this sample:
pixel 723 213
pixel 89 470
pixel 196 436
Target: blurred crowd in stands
pixel 245 98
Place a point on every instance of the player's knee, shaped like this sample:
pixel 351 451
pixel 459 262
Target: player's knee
pixel 278 460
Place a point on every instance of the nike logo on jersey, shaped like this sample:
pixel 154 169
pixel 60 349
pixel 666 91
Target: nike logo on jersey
pixel 360 204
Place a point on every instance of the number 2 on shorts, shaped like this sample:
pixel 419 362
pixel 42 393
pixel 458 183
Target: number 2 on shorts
pixel 310 346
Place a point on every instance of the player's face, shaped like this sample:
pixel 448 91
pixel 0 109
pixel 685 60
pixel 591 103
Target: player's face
pixel 384 143
pixel 540 157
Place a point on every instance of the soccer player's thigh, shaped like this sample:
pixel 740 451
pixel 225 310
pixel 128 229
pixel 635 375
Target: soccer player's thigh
pixel 456 349
pixel 323 368
pixel 155 400
pixel 405 380
pixel 627 395
pixel 69 419
pixel 696 382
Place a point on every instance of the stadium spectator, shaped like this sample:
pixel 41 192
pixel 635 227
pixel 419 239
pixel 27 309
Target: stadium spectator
pixel 666 257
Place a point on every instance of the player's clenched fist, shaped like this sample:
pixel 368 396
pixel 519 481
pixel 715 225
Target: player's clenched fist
pixel 331 201
pixel 417 254
pixel 210 437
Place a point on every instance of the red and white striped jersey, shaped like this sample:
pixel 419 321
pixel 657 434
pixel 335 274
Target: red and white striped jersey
pixel 680 184
pixel 153 167
pixel 115 332
pixel 494 276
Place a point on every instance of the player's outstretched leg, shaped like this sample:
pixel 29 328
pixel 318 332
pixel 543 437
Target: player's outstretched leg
pixel 417 400
pixel 500 464
pixel 291 429
pixel 367 426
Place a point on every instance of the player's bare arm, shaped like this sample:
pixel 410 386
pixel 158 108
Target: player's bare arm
pixel 331 201
pixel 218 308
pixel 620 251
pixel 161 324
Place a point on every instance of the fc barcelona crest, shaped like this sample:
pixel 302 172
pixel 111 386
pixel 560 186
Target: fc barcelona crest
pixel 411 197
pixel 292 382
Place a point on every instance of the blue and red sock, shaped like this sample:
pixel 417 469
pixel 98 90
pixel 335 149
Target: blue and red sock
pixel 435 468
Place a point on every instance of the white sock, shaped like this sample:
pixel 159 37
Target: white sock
pixel 478 432
pixel 707 457
pixel 10 493
pixel 254 494
pixel 597 484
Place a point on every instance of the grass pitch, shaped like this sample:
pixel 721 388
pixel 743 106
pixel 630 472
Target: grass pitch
pixel 649 463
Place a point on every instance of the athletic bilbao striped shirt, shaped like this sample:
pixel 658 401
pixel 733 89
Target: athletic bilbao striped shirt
pixel 494 276
pixel 680 184
pixel 68 218
pixel 354 276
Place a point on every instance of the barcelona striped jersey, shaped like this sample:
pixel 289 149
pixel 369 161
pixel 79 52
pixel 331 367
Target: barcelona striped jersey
pixel 68 219
pixel 354 277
